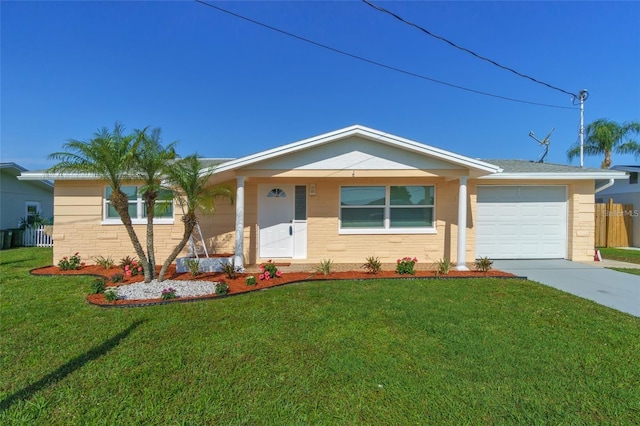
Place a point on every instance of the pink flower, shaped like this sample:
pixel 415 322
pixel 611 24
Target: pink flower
pixel 126 267
pixel 398 260
pixel 278 273
pixel 262 267
pixel 139 268
pixel 77 253
pixel 128 273
pixel 415 260
pixel 261 276
pixel 82 264
pixel 267 275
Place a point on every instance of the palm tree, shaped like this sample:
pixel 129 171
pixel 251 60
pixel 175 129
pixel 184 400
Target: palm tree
pixel 151 161
pixel 193 193
pixel 604 137
pixel 108 156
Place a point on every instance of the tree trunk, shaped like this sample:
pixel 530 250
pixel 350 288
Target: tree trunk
pixel 120 202
pixel 150 202
pixel 190 222
pixel 606 164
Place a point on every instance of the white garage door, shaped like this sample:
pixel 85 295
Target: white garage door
pixel 521 222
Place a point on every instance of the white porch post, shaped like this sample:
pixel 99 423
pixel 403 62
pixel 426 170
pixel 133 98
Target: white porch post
pixel 462 225
pixel 238 258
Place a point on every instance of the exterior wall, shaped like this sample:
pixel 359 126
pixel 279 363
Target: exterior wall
pixel 580 211
pixel 323 238
pixel 78 226
pixel 14 195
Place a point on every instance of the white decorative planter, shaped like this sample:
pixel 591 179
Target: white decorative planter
pixel 211 264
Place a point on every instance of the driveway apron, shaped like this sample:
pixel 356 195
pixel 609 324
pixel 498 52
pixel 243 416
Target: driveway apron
pixel 617 290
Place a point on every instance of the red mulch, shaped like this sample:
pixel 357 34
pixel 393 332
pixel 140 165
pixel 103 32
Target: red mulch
pixel 238 285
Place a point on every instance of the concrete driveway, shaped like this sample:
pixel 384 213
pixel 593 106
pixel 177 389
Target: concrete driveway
pixel 614 289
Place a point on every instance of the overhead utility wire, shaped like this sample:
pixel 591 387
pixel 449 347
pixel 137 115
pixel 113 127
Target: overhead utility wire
pixel 360 58
pixel 424 30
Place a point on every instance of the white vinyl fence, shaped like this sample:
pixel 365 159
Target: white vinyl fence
pixel 37 236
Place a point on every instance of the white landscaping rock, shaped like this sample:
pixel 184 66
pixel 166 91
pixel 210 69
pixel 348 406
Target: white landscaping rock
pixel 153 290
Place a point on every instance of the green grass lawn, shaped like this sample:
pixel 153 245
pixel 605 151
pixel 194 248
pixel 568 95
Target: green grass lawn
pixel 634 271
pixel 623 255
pixel 383 352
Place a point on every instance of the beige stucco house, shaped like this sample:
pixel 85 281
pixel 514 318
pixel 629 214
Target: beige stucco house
pixel 353 193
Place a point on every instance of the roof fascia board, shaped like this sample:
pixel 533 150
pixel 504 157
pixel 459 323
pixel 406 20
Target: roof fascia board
pixel 555 176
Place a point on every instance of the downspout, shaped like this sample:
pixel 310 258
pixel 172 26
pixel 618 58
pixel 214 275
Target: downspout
pixel 605 186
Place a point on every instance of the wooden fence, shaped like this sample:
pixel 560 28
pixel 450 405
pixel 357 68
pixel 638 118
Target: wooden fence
pixel 614 224
pixel 39 236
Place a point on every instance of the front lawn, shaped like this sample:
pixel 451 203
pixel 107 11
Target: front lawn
pixel 479 351
pixel 634 271
pixel 622 255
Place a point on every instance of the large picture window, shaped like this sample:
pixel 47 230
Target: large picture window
pixel 399 209
pixel 137 209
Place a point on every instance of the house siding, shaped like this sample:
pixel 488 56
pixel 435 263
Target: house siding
pixel 14 195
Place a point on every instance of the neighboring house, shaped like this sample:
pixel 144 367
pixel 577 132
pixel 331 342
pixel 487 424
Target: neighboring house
pixel 20 199
pixel 625 191
pixel 353 193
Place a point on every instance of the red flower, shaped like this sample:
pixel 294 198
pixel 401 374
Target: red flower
pixel 261 276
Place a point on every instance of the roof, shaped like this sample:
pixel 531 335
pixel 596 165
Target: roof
pixel 17 170
pixel 523 169
pixel 630 169
pixel 366 133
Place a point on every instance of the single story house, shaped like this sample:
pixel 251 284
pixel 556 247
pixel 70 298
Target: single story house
pixel 22 199
pixel 625 191
pixel 353 193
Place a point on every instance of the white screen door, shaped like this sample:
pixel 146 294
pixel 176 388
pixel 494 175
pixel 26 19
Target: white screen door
pixel 276 206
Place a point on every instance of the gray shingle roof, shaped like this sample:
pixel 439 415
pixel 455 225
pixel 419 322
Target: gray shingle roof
pixel 524 166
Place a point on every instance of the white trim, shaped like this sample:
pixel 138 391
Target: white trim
pixel 156 221
pixel 238 258
pixel 461 264
pixel 556 176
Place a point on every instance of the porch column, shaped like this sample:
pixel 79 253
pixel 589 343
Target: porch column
pixel 462 225
pixel 238 258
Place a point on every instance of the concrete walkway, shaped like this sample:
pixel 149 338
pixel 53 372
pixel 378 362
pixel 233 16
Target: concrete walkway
pixel 617 290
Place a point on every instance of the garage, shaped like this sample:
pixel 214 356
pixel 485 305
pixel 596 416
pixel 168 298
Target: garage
pixel 521 222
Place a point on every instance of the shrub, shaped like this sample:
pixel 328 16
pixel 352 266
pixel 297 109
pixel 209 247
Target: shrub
pixel 406 265
pixel 483 264
pixel 70 263
pixel 117 278
pixel 99 285
pixel 251 280
pixel 372 265
pixel 443 266
pixel 130 266
pixel 168 293
pixel 325 266
pixel 110 296
pixel 222 288
pixel 194 266
pixel 230 270
pixel 269 270
pixel 105 262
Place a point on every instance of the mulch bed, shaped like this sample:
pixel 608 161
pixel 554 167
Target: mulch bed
pixel 238 285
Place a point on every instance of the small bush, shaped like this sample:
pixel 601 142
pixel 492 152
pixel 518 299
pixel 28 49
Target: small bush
pixel 194 266
pixel 251 280
pixel 372 265
pixel 117 278
pixel 130 266
pixel 443 266
pixel 99 285
pixel 325 266
pixel 105 262
pixel 110 296
pixel 168 293
pixel 269 270
pixel 483 264
pixel 222 288
pixel 230 270
pixel 70 263
pixel 406 265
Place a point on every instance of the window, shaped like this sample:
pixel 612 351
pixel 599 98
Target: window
pixel 137 209
pixel 633 178
pixel 387 209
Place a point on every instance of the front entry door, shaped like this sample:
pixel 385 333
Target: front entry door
pixel 276 206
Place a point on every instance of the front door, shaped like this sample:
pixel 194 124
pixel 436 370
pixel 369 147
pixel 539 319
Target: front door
pixel 276 206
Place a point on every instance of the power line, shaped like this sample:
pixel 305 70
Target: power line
pixel 379 64
pixel 464 49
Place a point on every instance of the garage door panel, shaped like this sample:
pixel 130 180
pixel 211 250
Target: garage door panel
pixel 521 222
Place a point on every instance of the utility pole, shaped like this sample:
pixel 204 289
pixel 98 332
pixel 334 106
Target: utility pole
pixel 584 94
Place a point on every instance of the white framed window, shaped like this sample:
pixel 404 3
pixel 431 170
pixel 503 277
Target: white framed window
pixel 391 209
pixel 137 209
pixel 32 211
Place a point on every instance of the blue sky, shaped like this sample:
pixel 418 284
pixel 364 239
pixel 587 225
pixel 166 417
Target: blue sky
pixel 224 87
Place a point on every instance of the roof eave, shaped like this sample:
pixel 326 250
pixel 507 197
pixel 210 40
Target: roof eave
pixel 556 176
